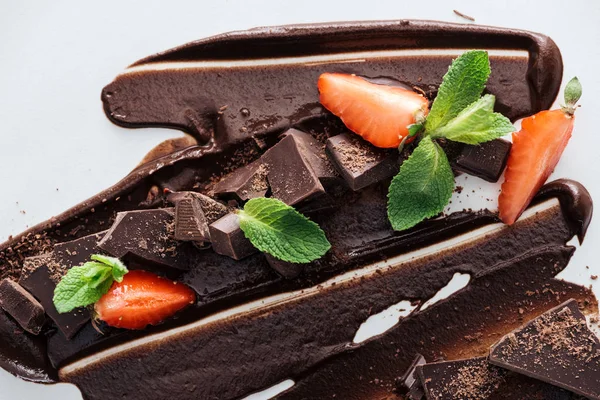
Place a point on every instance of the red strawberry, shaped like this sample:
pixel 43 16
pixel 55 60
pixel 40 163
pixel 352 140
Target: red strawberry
pixel 536 150
pixel 142 299
pixel 378 113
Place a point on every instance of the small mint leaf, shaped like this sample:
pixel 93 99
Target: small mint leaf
pixel 118 268
pixel 85 285
pixel 573 92
pixel 478 123
pixel 422 188
pixel 462 85
pixel 74 290
pixel 276 228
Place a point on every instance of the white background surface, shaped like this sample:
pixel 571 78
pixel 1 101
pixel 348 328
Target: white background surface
pixel 57 148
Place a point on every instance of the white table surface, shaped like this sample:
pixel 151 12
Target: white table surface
pixel 57 148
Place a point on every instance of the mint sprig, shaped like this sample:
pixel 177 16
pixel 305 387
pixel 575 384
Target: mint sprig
pixel 462 85
pixel 425 182
pixel 477 123
pixel 85 285
pixel 274 227
pixel 422 188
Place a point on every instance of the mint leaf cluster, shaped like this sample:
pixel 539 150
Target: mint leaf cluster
pixel 425 182
pixel 85 285
pixel 278 229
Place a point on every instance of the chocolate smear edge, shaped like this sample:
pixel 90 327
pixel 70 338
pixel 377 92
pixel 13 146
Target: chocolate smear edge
pixel 84 375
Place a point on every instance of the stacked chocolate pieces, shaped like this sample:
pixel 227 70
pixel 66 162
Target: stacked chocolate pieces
pixel 554 356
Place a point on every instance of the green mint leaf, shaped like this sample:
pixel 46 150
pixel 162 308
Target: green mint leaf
pixel 476 124
pixel 462 85
pixel 573 92
pixel 118 268
pixel 84 285
pixel 75 290
pixel 276 228
pixel 422 188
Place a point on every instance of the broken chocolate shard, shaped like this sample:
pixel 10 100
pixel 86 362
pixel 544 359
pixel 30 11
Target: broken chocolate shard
pixel 22 306
pixel 228 239
pixel 190 222
pixel 77 252
pixel 147 236
pixel 286 269
pixel 291 176
pixel 486 160
pixel 409 379
pixel 556 347
pixel 476 379
pixel 244 183
pixel 212 209
pixel 360 163
pixel 314 153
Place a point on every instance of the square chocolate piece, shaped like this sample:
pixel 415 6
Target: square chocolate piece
pixel 22 306
pixel 360 163
pixel 245 183
pixel 486 160
pixel 291 175
pixel 228 239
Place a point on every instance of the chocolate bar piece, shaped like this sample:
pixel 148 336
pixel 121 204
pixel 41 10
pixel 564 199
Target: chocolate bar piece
pixel 228 239
pixel 360 163
pixel 476 378
pixel 190 222
pixel 286 269
pixel 556 347
pixel 244 183
pixel 486 160
pixel 314 153
pixel 42 273
pixel 212 209
pixel 409 380
pixel 22 306
pixel 147 235
pixel 291 175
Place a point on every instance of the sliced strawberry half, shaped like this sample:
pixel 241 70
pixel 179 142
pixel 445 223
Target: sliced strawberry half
pixel 536 150
pixel 142 299
pixel 380 114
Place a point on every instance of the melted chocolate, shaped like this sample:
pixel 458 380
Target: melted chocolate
pixel 210 89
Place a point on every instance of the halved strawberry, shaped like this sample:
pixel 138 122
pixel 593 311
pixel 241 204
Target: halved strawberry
pixel 142 299
pixel 380 114
pixel 536 150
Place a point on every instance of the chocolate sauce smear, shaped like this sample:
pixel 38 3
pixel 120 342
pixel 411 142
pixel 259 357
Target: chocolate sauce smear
pixel 227 88
pixel 252 327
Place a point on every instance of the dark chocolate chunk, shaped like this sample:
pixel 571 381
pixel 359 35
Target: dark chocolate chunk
pixel 286 269
pixel 313 152
pixel 228 239
pixel 556 347
pixel 244 183
pixel 22 306
pixel 409 379
pixel 486 160
pixel 42 273
pixel 212 209
pixel 147 236
pixel 291 176
pixel 476 379
pixel 360 163
pixel 190 222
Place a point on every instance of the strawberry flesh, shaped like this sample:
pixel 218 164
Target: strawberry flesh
pixel 380 114
pixel 142 299
pixel 536 150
